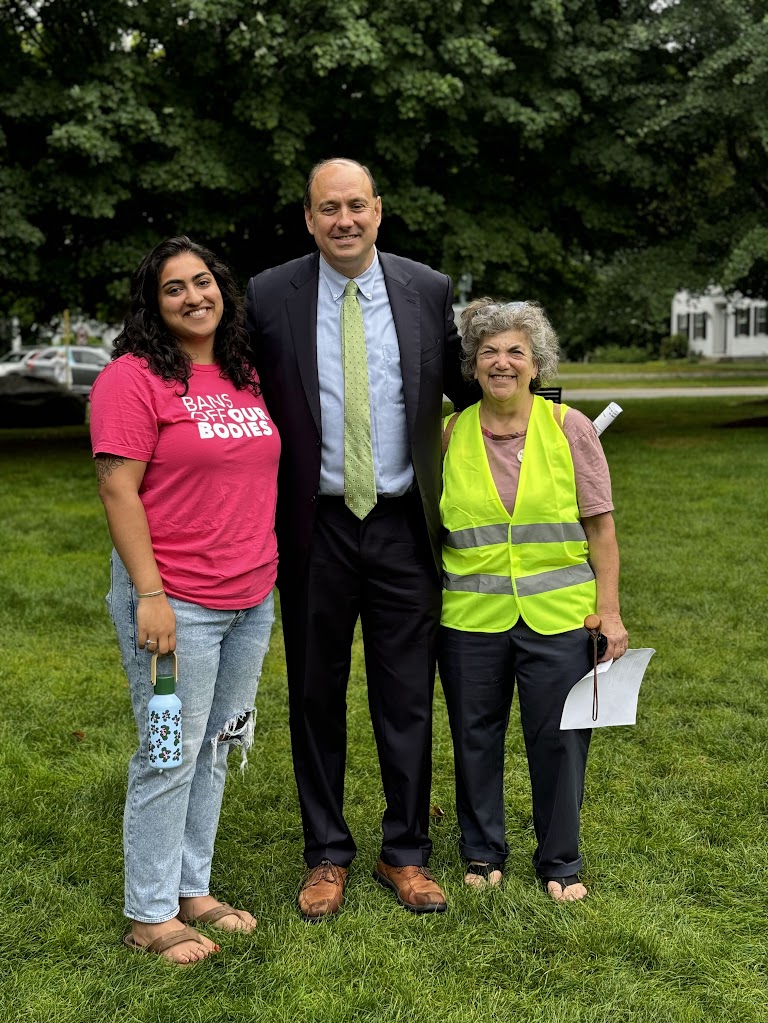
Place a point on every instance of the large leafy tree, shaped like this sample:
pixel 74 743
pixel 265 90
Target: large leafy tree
pixel 546 147
pixel 715 125
pixel 708 126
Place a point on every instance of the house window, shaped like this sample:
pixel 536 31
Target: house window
pixel 699 325
pixel 741 326
pixel 761 319
pixel 682 323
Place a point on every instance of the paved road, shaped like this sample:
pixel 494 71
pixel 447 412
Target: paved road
pixel 617 393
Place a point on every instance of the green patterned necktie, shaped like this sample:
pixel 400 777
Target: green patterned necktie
pixel 359 478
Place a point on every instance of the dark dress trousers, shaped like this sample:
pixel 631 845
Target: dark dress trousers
pixel 334 568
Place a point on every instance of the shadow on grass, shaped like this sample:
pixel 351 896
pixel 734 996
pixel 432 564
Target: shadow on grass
pixel 755 421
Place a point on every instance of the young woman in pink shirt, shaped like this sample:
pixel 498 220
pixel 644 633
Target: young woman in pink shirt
pixel 186 458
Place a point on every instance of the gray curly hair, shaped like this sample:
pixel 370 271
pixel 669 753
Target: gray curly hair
pixel 485 318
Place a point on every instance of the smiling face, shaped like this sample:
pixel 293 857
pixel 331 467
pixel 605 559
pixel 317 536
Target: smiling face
pixel 344 217
pixel 190 304
pixel 505 367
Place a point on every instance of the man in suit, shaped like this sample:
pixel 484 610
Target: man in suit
pixel 379 563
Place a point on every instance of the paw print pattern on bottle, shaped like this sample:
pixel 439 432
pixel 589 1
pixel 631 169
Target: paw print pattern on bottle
pixel 164 712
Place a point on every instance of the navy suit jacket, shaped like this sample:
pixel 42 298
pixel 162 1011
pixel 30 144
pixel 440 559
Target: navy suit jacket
pixel 281 317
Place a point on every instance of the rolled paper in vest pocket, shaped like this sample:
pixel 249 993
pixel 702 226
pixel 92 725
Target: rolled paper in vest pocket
pixel 606 417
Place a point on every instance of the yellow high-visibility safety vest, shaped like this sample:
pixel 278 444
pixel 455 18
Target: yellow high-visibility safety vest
pixel 533 563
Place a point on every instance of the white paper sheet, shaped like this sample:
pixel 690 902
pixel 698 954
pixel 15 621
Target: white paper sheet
pixel 618 686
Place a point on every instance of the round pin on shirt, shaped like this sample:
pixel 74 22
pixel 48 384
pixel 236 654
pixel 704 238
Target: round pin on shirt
pixel 520 454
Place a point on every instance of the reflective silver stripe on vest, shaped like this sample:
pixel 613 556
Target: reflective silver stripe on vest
pixel 540 532
pixel 548 532
pixel 477 536
pixel 527 586
pixel 558 579
pixel 478 583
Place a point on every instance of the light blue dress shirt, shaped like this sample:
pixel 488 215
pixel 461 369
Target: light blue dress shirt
pixel 389 429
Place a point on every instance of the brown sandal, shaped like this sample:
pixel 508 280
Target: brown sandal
pixel 211 916
pixel 164 942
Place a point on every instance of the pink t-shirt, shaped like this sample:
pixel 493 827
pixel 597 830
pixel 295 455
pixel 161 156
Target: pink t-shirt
pixel 590 468
pixel 210 485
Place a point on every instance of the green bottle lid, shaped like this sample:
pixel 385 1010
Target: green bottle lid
pixel 165 685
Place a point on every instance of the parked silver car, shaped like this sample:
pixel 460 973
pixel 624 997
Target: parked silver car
pixel 16 361
pixel 74 366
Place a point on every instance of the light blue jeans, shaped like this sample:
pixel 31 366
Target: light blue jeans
pixel 171 816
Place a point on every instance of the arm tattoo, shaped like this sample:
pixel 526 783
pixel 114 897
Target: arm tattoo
pixel 105 465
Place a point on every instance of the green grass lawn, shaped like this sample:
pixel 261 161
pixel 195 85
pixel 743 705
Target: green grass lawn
pixel 663 374
pixel 674 822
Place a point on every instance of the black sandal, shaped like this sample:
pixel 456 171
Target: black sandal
pixel 564 882
pixel 484 870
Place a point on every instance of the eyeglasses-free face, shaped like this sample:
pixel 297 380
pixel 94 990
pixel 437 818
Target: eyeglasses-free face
pixel 505 366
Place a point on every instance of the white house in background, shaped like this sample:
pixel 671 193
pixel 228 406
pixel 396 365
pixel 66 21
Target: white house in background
pixel 719 327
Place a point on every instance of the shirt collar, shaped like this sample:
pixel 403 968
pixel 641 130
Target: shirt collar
pixel 337 282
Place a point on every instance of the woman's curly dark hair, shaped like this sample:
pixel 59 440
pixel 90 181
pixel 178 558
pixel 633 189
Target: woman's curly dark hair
pixel 145 335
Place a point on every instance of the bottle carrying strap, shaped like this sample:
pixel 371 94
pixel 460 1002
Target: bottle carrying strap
pixel 153 667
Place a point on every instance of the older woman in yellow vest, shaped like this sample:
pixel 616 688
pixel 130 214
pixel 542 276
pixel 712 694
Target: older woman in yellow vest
pixel 529 551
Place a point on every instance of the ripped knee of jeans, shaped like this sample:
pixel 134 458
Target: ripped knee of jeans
pixel 237 731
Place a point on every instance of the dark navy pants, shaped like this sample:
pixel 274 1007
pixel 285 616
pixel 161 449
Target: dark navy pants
pixel 380 571
pixel 478 671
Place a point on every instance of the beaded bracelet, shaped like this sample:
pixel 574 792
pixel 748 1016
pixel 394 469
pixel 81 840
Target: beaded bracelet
pixel 154 593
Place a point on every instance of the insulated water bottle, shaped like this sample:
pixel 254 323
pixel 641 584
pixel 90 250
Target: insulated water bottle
pixel 164 712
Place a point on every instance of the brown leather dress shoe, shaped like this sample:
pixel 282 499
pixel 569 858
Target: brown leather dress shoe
pixel 322 892
pixel 414 887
